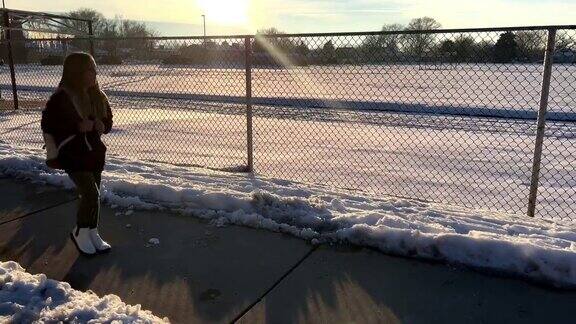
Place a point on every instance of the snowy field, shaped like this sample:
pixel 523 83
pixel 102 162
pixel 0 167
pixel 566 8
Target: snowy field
pixel 27 298
pixel 446 136
pixel 479 163
pixel 534 249
pixel 508 90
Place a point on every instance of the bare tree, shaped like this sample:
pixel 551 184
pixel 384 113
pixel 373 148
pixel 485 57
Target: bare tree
pixel 381 48
pixel 420 44
pixel 282 44
pixel 112 28
pixel 531 45
pixel 98 21
pixel 565 41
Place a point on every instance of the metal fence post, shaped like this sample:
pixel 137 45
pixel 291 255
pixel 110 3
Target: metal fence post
pixel 541 124
pixel 249 143
pixel 11 58
pixel 91 35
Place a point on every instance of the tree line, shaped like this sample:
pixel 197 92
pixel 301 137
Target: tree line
pixel 399 43
pixel 396 44
pixel 70 28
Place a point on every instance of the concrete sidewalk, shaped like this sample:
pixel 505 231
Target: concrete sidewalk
pixel 18 198
pixel 199 273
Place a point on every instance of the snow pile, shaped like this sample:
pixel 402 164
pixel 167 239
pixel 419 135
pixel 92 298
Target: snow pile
pixel 535 249
pixel 154 241
pixel 26 298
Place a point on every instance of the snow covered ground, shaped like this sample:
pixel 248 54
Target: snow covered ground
pixel 477 162
pixel 436 141
pixel 454 153
pixel 535 249
pixel 490 86
pixel 27 298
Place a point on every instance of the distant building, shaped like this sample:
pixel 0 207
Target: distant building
pixel 57 48
pixel 565 55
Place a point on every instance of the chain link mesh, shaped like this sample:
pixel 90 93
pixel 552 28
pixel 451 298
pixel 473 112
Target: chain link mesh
pixel 557 190
pixel 440 116
pixel 170 104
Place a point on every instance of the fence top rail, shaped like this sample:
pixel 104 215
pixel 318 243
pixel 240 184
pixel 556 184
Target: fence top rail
pixel 368 33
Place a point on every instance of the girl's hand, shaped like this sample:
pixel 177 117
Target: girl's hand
pixel 86 126
pixel 99 126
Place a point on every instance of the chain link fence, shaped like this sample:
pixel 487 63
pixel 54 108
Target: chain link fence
pixel 447 116
pixel 557 190
pixel 169 105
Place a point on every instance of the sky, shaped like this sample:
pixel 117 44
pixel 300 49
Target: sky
pixel 183 17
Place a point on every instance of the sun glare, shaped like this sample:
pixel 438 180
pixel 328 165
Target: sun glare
pixel 225 12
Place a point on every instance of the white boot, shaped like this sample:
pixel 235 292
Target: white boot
pixel 81 237
pixel 98 242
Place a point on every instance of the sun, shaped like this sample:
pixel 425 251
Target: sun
pixel 225 12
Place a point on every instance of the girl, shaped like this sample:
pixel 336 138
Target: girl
pixel 75 117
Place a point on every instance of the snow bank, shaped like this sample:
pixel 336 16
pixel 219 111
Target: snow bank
pixel 26 298
pixel 535 249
